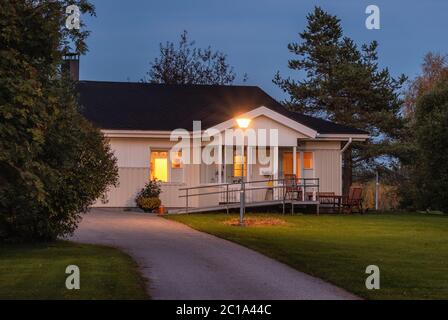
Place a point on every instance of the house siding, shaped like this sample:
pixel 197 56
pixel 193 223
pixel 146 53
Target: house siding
pixel 327 165
pixel 133 155
pixel 133 160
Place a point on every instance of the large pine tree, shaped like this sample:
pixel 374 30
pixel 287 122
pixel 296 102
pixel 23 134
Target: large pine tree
pixel 343 83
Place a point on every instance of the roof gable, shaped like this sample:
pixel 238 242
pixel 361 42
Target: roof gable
pixel 273 115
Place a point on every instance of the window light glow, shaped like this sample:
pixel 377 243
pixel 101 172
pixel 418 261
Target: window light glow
pixel 159 165
pixel 161 169
pixel 308 160
pixel 176 160
pixel 238 166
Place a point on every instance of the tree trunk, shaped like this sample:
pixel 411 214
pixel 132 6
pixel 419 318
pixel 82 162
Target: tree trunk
pixel 347 178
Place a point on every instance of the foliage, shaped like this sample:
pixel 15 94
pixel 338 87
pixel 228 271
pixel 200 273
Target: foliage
pixel 434 69
pixel 53 163
pixel 186 64
pixel 343 83
pixel 430 169
pixel 148 198
pixel 387 196
pixel 151 190
pixel 423 139
pixel 148 204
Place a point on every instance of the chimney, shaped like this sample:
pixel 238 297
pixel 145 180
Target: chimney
pixel 71 65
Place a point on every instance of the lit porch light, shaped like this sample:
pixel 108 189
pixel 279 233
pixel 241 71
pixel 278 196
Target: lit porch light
pixel 243 123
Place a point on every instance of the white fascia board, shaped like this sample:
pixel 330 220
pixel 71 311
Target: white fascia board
pixel 263 111
pixel 135 134
pixel 343 136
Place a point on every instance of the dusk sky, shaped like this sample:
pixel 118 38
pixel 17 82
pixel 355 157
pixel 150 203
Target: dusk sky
pixel 254 34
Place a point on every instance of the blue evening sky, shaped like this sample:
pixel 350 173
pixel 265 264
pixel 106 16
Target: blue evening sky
pixel 253 33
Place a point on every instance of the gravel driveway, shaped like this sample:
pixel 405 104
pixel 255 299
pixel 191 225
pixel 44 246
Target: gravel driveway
pixel 182 263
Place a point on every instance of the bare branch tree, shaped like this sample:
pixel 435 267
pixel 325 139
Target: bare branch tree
pixel 186 64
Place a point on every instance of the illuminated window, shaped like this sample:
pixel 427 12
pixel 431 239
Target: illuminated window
pixel 238 166
pixel 307 160
pixel 159 165
pixel 176 160
pixel 288 163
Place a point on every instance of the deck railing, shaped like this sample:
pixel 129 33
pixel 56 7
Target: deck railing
pixel 307 190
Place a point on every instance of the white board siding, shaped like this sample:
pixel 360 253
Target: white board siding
pixel 133 156
pixel 327 166
pixel 131 181
pixel 170 195
pixel 133 159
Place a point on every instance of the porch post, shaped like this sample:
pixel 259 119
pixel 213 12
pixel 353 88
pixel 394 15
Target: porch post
pixel 220 163
pixel 302 176
pixel 294 161
pixel 302 171
pixel 227 159
pixel 249 162
pixel 275 168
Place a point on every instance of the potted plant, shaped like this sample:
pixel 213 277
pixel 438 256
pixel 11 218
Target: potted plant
pixel 148 198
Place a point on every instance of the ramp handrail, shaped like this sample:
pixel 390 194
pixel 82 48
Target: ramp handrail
pixel 276 184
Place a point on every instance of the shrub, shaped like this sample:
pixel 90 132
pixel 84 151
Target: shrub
pixel 150 190
pixel 148 198
pixel 148 204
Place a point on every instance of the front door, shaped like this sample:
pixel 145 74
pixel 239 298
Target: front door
pixel 288 163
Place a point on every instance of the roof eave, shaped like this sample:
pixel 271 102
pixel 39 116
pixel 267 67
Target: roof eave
pixel 343 136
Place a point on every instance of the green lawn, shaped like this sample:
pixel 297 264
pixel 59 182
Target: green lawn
pixel 411 250
pixel 38 272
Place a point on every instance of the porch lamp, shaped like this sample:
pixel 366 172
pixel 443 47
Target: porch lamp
pixel 243 123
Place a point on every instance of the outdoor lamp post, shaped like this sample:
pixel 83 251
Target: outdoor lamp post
pixel 243 123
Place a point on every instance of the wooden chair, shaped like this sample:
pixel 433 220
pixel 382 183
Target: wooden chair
pixel 352 201
pixel 290 185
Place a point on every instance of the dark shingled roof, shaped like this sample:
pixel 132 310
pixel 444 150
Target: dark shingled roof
pixel 142 106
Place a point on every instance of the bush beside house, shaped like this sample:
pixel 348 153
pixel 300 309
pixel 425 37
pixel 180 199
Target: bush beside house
pixel 148 198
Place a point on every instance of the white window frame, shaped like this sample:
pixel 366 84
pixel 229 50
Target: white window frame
pixel 170 168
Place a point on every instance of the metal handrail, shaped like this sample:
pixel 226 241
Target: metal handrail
pixel 249 182
pixel 301 184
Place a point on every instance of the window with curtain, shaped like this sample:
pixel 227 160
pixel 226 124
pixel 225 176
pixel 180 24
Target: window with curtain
pixel 176 160
pixel 288 163
pixel 308 160
pixel 159 165
pixel 238 166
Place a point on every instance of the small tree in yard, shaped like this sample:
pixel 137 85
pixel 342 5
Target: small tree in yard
pixel 53 162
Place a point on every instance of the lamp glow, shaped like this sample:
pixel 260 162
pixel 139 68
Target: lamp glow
pixel 243 123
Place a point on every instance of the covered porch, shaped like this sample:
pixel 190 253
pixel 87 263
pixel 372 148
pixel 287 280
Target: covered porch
pixel 287 178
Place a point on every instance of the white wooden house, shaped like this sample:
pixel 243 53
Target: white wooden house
pixel 138 120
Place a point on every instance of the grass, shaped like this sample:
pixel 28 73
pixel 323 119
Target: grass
pixel 411 250
pixel 38 272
